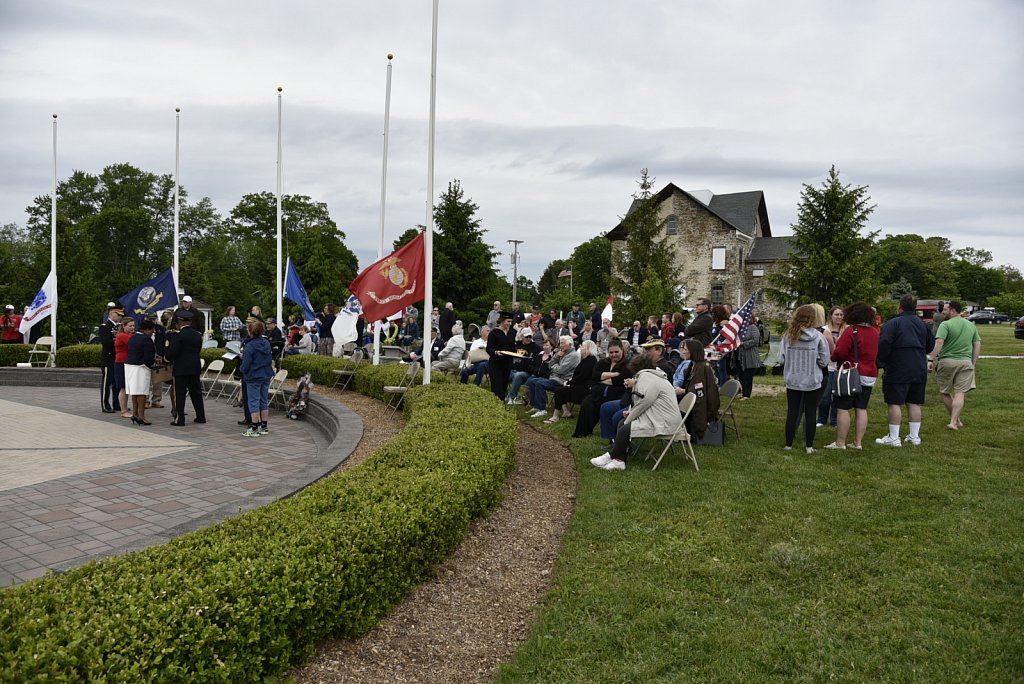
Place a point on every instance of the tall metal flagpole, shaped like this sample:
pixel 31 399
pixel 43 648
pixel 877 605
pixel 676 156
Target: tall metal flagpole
pixel 280 302
pixel 177 182
pixel 428 238
pixel 53 237
pixel 383 196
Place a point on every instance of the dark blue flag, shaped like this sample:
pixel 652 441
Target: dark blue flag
pixel 152 296
pixel 294 291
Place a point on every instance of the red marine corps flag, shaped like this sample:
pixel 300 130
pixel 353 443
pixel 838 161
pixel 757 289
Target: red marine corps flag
pixel 392 283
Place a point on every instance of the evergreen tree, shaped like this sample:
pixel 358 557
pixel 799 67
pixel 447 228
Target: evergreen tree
pixel 463 262
pixel 645 276
pixel 831 259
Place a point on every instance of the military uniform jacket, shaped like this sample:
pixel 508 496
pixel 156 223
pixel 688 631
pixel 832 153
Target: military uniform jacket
pixel 183 351
pixel 106 335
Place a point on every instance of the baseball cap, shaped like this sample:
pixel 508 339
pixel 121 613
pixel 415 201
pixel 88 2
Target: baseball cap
pixel 186 298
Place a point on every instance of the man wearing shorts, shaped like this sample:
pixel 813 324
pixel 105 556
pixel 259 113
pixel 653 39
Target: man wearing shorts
pixel 957 346
pixel 903 349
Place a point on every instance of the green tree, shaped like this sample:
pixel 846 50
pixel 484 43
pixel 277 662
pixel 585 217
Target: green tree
pixel 408 236
pixel 1010 303
pixel 463 262
pixel 591 269
pixel 830 262
pixel 18 271
pixel 924 264
pixel 549 282
pixel 648 256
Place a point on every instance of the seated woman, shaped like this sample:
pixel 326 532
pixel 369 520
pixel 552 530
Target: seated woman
pixel 454 350
pixel 695 375
pixel 579 386
pixel 409 332
pixel 607 386
pixel 654 412
pixel 587 333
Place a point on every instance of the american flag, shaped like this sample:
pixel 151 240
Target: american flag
pixel 736 327
pixel 565 273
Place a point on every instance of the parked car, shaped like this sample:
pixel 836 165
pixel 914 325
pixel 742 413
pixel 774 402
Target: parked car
pixel 1000 317
pixel 986 317
pixel 1018 330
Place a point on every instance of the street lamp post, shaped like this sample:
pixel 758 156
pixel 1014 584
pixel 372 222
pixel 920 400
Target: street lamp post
pixel 515 266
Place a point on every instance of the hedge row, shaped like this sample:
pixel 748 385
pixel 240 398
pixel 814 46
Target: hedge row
pixel 247 598
pixel 369 380
pixel 13 354
pixel 88 356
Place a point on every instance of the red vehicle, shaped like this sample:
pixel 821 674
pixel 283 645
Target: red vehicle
pixel 1018 330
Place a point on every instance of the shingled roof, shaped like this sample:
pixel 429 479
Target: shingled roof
pixel 739 210
pixel 771 248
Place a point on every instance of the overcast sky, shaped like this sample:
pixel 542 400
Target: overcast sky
pixel 546 110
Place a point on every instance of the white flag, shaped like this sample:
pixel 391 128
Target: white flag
pixel 606 313
pixel 42 306
pixel 344 328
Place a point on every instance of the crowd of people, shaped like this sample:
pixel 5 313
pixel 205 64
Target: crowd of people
pixel 613 379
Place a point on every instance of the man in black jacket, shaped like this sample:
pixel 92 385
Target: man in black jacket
pixel 499 366
pixel 198 320
pixel 184 352
pixel 700 327
pixel 446 320
pixel 106 335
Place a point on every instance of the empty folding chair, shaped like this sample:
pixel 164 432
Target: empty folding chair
pixel 681 435
pixel 276 391
pixel 730 389
pixel 212 375
pixel 41 354
pixel 396 393
pixel 343 376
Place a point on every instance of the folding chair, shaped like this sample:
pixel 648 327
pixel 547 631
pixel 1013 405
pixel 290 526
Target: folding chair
pixel 276 391
pixel 41 354
pixel 730 389
pixel 345 375
pixel 681 435
pixel 216 366
pixel 396 393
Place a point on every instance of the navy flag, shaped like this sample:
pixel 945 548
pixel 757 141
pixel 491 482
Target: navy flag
pixel 156 294
pixel 294 291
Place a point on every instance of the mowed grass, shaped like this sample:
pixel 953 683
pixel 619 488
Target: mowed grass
pixel 882 565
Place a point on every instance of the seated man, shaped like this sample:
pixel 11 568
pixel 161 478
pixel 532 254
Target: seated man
pixel 477 361
pixel 302 343
pixel 563 363
pixel 533 364
pixel 436 345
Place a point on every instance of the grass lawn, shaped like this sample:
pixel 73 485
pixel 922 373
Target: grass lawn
pixel 882 565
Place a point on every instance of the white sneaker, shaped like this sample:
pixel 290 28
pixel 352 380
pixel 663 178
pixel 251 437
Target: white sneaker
pixel 614 464
pixel 833 445
pixel 854 446
pixel 810 450
pixel 819 425
pixel 508 401
pixel 889 441
pixel 602 460
pixel 539 414
pixel 916 441
pixel 518 401
pixel 787 448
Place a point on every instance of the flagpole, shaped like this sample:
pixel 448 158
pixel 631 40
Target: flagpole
pixel 53 236
pixel 177 168
pixel 428 238
pixel 383 196
pixel 280 303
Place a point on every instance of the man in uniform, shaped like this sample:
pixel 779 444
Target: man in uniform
pixel 106 334
pixel 499 366
pixel 184 353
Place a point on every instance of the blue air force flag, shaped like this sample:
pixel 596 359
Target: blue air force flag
pixel 42 306
pixel 156 294
pixel 294 291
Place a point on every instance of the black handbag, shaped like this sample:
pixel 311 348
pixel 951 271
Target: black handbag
pixel 713 436
pixel 847 376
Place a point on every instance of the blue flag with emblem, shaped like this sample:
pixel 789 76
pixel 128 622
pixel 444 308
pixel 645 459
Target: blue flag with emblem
pixel 152 296
pixel 294 291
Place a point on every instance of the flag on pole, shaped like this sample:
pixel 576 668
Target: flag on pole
pixel 156 294
pixel 42 306
pixel 344 328
pixel 606 312
pixel 394 282
pixel 565 273
pixel 294 290
pixel 735 328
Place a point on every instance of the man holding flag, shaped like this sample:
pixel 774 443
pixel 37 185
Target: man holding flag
pixel 737 333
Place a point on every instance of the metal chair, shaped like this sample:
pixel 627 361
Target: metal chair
pixel 345 375
pixel 396 393
pixel 730 389
pixel 276 391
pixel 216 366
pixel 681 435
pixel 42 348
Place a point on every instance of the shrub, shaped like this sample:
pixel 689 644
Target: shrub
pixel 13 354
pixel 245 599
pixel 369 380
pixel 79 356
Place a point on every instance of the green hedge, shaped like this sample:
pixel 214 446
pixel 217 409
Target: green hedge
pixel 88 356
pixel 369 380
pixel 13 354
pixel 247 598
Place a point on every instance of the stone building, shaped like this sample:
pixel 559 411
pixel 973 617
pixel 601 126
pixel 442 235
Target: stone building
pixel 723 243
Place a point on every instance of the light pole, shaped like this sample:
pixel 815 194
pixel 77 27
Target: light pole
pixel 515 266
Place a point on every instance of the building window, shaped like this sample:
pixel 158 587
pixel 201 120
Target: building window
pixel 672 225
pixel 758 272
pixel 718 258
pixel 717 295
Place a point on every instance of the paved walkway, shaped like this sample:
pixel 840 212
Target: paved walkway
pixel 77 484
